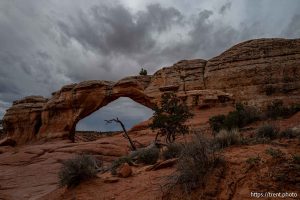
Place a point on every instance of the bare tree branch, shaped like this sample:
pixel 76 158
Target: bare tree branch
pixel 125 135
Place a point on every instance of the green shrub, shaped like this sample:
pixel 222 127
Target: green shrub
pixel 216 122
pixel 173 150
pixel 76 170
pixel 276 110
pixel 227 138
pixel 288 133
pixel 258 140
pixel 148 156
pixel 116 163
pixel 267 131
pixel 195 164
pixel 143 72
pixel 169 119
pixel 296 159
pixel 242 116
pixel 295 108
pixel 253 160
pixel 275 153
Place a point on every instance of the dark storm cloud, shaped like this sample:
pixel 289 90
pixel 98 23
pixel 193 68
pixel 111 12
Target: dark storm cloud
pixel 116 30
pixel 96 121
pixel 46 44
pixel 206 38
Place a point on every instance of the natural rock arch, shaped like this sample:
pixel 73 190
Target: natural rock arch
pixel 130 112
pixel 242 73
pixel 80 100
pixel 121 115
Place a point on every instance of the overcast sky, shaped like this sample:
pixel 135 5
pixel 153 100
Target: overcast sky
pixel 45 44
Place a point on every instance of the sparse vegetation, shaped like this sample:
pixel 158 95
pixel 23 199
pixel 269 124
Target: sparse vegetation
pixel 275 153
pixel 276 110
pixel 216 123
pixel 76 170
pixel 268 132
pixel 258 140
pixel 227 138
pixel 253 160
pixel 143 72
pixel 196 163
pixel 118 162
pixel 173 150
pixel 295 108
pixel 288 133
pixel 296 159
pixel 242 116
pixel 148 156
pixel 170 117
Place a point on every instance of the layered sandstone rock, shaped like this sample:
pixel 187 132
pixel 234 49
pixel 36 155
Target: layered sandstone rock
pixel 258 71
pixel 254 72
pixel 23 120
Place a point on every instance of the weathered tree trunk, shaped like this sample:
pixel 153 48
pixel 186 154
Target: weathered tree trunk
pixel 133 147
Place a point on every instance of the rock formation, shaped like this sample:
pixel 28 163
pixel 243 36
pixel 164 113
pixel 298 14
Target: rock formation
pixel 254 72
pixel 257 71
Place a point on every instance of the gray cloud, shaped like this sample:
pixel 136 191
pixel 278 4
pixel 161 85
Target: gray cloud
pixel 128 111
pixel 225 8
pixel 46 44
pixel 114 30
pixel 293 28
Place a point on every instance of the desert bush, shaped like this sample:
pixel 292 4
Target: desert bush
pixel 296 159
pixel 288 133
pixel 143 72
pixel 195 163
pixel 295 108
pixel 216 122
pixel 242 116
pixel 116 163
pixel 267 131
pixel 275 153
pixel 253 160
pixel 276 110
pixel 173 150
pixel 76 170
pixel 258 140
pixel 226 138
pixel 148 156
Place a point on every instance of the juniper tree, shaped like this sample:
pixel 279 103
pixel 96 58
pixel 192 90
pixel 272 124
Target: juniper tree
pixel 169 117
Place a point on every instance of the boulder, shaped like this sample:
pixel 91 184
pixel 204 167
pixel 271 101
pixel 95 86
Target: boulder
pixel 124 170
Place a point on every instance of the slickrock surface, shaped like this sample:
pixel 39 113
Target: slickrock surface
pixel 30 171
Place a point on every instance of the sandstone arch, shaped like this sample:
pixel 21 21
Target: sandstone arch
pixel 74 102
pixel 241 73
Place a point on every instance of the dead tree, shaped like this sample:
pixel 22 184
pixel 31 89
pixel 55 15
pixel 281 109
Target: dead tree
pixel 125 135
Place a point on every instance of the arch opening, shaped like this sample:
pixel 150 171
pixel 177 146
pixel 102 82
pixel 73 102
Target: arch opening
pixel 127 110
